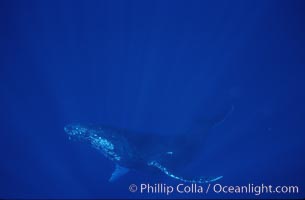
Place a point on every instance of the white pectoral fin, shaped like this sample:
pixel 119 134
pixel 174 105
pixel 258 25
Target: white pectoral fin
pixel 118 172
pixel 170 174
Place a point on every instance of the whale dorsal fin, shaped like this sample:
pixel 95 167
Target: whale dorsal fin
pixel 118 172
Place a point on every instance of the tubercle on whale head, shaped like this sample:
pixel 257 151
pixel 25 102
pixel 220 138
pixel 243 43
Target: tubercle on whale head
pixel 76 131
pixel 99 139
pixel 86 132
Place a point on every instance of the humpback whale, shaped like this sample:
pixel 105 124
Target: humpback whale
pixel 146 152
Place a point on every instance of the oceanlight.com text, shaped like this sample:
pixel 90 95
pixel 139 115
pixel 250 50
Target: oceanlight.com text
pixel 256 189
pixel 251 189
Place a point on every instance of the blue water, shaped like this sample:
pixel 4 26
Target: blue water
pixel 150 66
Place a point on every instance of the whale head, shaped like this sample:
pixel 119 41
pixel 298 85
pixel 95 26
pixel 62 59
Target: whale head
pixel 102 139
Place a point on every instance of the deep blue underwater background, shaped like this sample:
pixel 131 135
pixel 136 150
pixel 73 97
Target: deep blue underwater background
pixel 150 66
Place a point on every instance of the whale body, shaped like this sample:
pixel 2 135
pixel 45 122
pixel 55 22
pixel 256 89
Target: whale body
pixel 146 152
